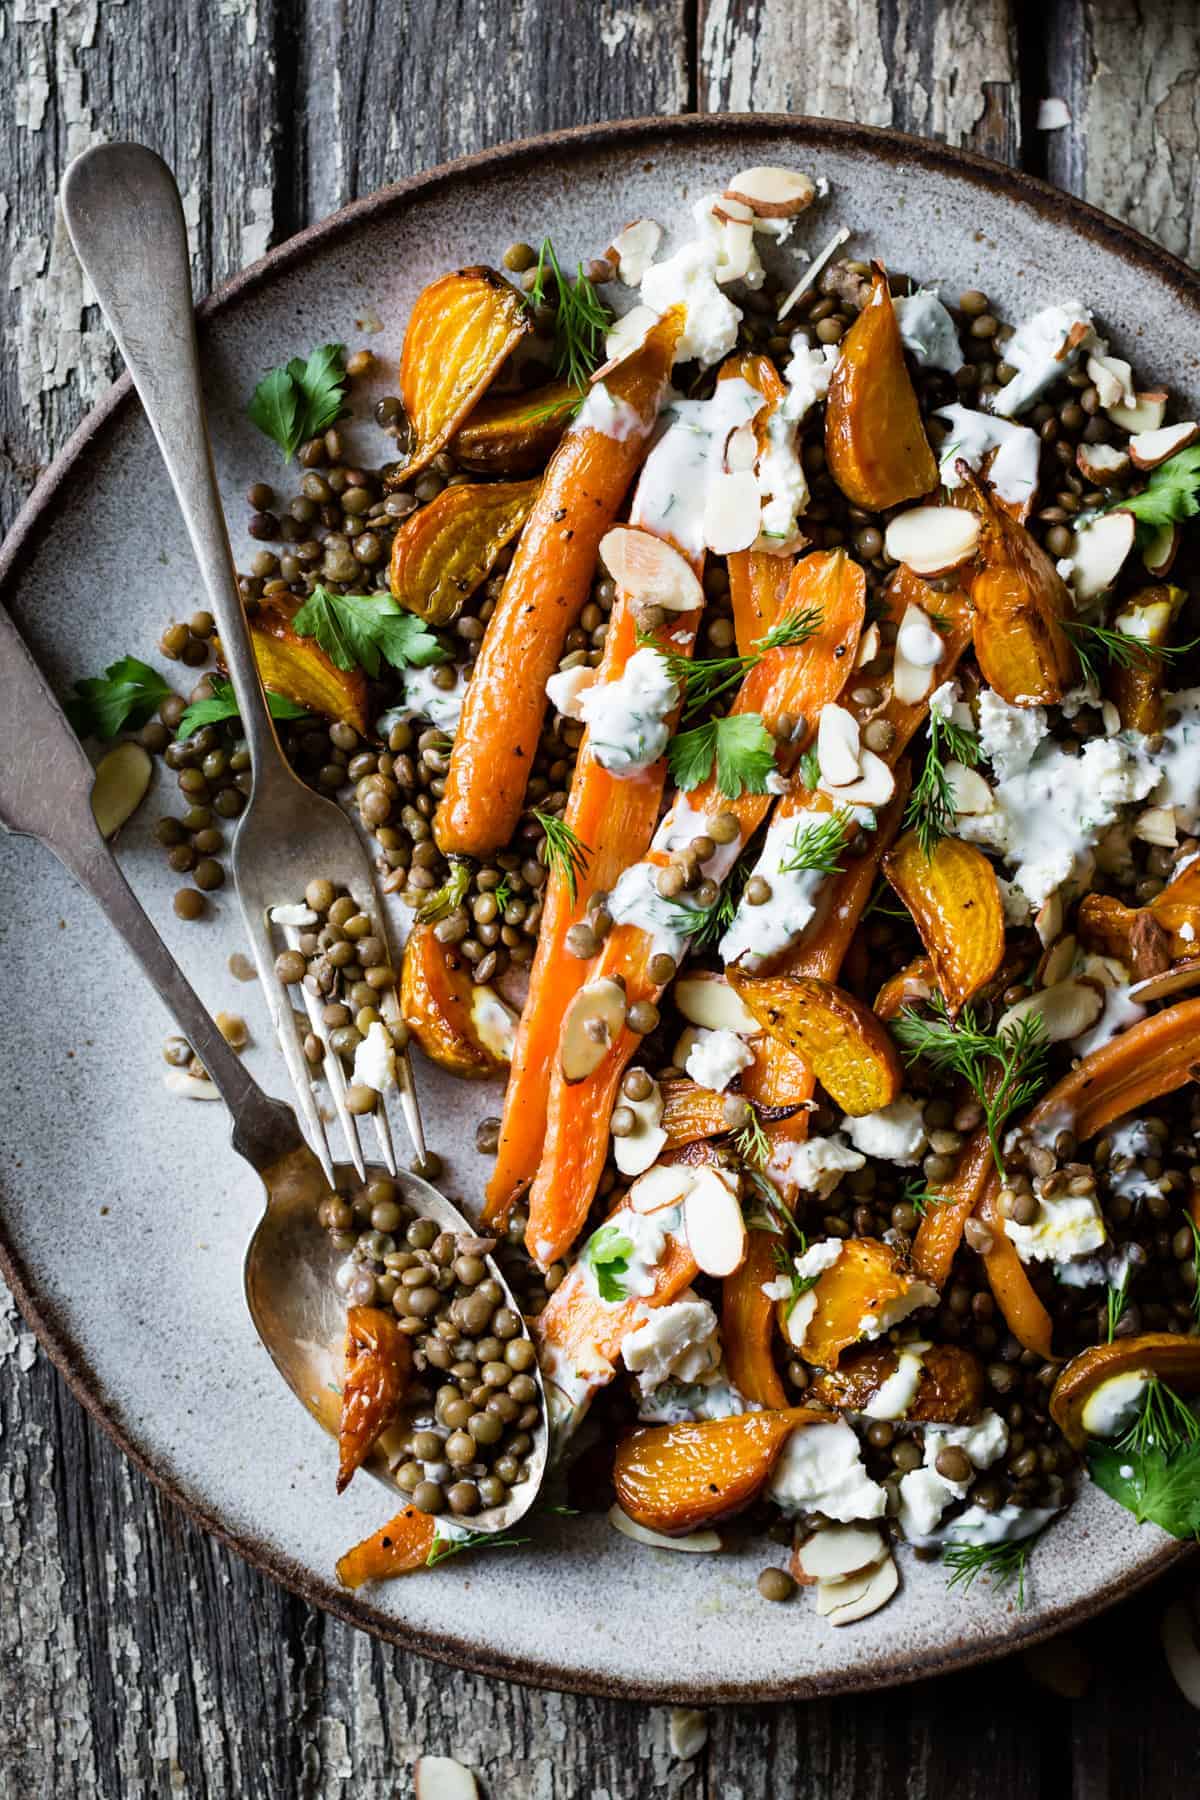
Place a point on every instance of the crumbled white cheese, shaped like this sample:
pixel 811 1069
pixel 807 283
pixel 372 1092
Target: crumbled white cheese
pixel 565 689
pixel 892 1313
pixel 895 1133
pixel 974 436
pixel 928 331
pixel 809 1266
pixel 947 702
pixel 893 1397
pixel 815 1164
pixel 821 1470
pixel 646 1237
pixel 1067 1225
pixel 375 1059
pixel 627 719
pixel 689 279
pixel 1009 735
pixel 1017 910
pixel 1041 351
pixel 925 1493
pixel 299 916
pixel 679 1341
pixel 716 1057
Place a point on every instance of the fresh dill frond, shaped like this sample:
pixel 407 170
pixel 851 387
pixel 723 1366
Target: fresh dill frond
pixel 752 1143
pixel 1005 1071
pixel 449 897
pixel 443 1548
pixel 819 846
pixel 1116 1299
pixel 810 770
pixel 794 628
pixel 569 404
pixel 1095 645
pixel 930 808
pixel 706 679
pixel 915 1193
pixel 581 318
pixel 703 925
pixel 502 894
pixel 1004 1563
pixel 565 855
pixel 1166 1424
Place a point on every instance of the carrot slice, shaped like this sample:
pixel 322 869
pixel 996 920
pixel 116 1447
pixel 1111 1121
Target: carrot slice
pixel 678 1478
pixel 748 1324
pixel 544 591
pixel 954 900
pixel 378 1362
pixel 514 434
pixel 398 1547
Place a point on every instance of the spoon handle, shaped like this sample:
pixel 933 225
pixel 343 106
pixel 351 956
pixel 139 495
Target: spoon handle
pixel 125 219
pixel 45 793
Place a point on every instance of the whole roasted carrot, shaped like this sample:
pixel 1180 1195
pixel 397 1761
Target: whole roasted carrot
pixel 748 1324
pixel 544 592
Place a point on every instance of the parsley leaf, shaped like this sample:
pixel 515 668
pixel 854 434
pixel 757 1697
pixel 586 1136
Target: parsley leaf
pixel 931 804
pixel 126 694
pixel 1172 493
pixel 359 631
pixel 608 1252
pixel 742 747
pixel 302 399
pixel 223 705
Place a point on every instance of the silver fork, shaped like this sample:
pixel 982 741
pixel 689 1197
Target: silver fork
pixel 124 215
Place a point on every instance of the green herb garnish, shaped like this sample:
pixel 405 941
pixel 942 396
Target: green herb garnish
pixel 771 1212
pixel 223 705
pixel 581 318
pixel 740 744
pixel 1116 1299
pixel 1096 644
pixel 930 806
pixel 502 894
pixel 752 1143
pixel 914 1193
pixel 1005 1563
pixel 444 1547
pixel 707 678
pixel 447 899
pixel 1003 1071
pixel 363 631
pixel 810 770
pixel 302 399
pixel 1172 493
pixel 818 846
pixel 127 694
pixel 1154 1470
pixel 566 855
pixel 608 1253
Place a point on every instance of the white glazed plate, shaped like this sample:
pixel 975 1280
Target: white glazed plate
pixel 123 1212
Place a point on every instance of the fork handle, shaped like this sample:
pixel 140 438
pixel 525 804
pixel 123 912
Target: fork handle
pixel 125 219
pixel 45 793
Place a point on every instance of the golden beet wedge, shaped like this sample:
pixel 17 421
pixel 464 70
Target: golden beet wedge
pixel 949 1391
pixel 437 998
pixel 378 1363
pixel 1020 602
pixel 299 669
pixel 681 1478
pixel 515 434
pixel 1175 1360
pixel 848 1049
pixel 460 330
pixel 868 1282
pixel 955 903
pixel 442 552
pixel 875 443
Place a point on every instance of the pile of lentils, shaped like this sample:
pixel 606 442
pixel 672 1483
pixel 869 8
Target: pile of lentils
pixel 478 1404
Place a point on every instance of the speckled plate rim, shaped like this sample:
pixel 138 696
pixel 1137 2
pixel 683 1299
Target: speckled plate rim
pixel 69 1357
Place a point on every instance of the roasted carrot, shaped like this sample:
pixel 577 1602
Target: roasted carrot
pixel 798 680
pixel 940 1231
pixel 758 579
pixel 544 591
pixel 748 1324
pixel 399 1547
pixel 378 1366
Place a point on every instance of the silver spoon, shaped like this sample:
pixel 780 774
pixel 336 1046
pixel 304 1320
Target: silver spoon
pixel 45 793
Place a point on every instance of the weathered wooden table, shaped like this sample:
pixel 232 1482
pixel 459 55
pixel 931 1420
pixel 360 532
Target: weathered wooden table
pixel 138 1657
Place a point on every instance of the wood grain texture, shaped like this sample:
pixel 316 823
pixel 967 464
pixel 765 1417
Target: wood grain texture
pixel 138 1658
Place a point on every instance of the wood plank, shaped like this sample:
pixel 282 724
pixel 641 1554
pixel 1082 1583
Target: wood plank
pixel 1130 74
pixel 942 68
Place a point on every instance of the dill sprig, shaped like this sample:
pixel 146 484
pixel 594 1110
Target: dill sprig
pixel 1195 1266
pixel 819 846
pixel 565 854
pixel 707 678
pixel 550 409
pixel 1005 1563
pixel 442 1548
pixel 581 318
pixel 752 1143
pixel 771 1211
pixel 1095 645
pixel 930 806
pixel 916 1194
pixel 703 925
pixel 1004 1071
pixel 449 897
pixel 1166 1424
pixel 1116 1299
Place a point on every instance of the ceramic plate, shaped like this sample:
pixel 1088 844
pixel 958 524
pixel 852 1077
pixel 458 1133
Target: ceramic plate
pixel 125 1213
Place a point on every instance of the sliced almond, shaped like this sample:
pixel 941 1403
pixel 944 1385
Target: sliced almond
pixel 495 1023
pixel 868 647
pixel 1057 961
pixel 1049 921
pixel 592 1023
pixel 737 253
pixel 683 1046
pixel 713 1225
pixel 122 778
pixel 1156 825
pixel 708 1000
pixel 1100 551
pixel 879 1590
pixel 687 1732
pixel 1112 379
pixel 1146 413
pixel 1175 980
pixel 626 338
pixel 838 746
pixel 970 791
pixel 634 249
pixel 731 211
pixel 298 915
pixel 1162 549
pixel 442 1778
pixel 741 449
pixel 731 512
pixel 932 540
pixel 1182 1650
pixel 1101 464
pixel 190 1087
pixel 638 1150
pixel 832 1594
pixel 699 1543
pixel 646 568
pixel 809 277
pixel 1149 448
pixel 665 1185
pixel 1068 1008
pixel 875 786
pixel 772 193
pixel 839 1551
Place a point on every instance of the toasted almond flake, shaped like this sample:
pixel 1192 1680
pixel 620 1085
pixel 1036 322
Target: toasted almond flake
pixel 875 786
pixel 932 540
pixel 1161 550
pixel 708 1000
pixel 687 1733
pixel 593 1021
pixel 1101 464
pixel 1049 921
pixel 731 211
pixel 741 449
pixel 1146 413
pixel 1065 1010
pixel 698 1543
pixel 713 1225
pixel 731 512
pixel 495 1023
pixel 838 746
pixel 772 193
pixel 634 249
pixel 1112 379
pixel 637 1150
pixel 299 916
pixel 1156 825
pixel 1149 448
pixel 1182 1650
pixel 868 646
pixel 970 791
pixel 1053 114
pixel 625 339
pixel 1175 980
pixel 832 1594
pixel 646 568
pixel 190 1087
pixel 1110 718
pixel 737 254
pixel 840 1550
pixel 1100 551
pixel 814 269
pixel 879 1590
pixel 443 1778
pixel 122 778
pixel 664 1185
pixel 1057 962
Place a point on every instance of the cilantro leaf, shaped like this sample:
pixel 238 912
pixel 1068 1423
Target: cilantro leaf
pixel 126 694
pixel 608 1252
pixel 223 705
pixel 740 744
pixel 302 399
pixel 1172 493
pixel 810 770
pixel 358 631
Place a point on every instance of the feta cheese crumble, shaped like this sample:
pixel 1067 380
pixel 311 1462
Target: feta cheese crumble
pixel 821 1470
pixel 1067 1225
pixel 375 1059
pixel 895 1133
pixel 627 719
pixel 1041 350
pixel 928 331
pixel 716 1056
pixel 815 1164
pixel 925 1493
pixel 679 1341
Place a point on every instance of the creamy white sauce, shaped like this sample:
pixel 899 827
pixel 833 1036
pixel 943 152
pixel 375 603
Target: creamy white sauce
pixel 1119 1012
pixel 783 485
pixel 608 414
pixel 646 1234
pixel 928 331
pixel 627 719
pixel 636 901
pixel 441 706
pixel 1013 471
pixel 894 1396
pixel 1007 1525
pixel 764 929
pixel 672 490
pixel 1179 759
pixel 679 1402
pixel 1038 352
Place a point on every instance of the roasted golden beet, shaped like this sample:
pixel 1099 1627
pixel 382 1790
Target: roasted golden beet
pixel 399 1547
pixel 437 999
pixel 378 1363
pixel 867 1280
pixel 680 1478
pixel 1020 603
pixel 949 1392
pixel 460 330
pixel 955 904
pixel 907 987
pixel 1175 1360
pixel 442 552
pixel 875 443
pixel 515 434
pixel 1137 687
pixel 748 1323
pixel 298 668
pixel 846 1046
